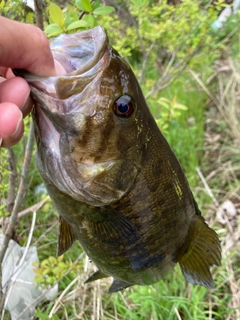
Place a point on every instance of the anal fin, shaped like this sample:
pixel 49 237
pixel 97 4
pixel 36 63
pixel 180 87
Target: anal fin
pixel 118 285
pixel 66 237
pixel 96 276
pixel 203 252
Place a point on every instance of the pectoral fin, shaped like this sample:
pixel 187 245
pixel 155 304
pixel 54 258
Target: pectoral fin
pixel 113 228
pixel 204 251
pixel 118 285
pixel 66 237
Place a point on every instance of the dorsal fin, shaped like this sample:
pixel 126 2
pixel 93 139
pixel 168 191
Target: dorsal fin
pixel 118 285
pixel 96 276
pixel 66 236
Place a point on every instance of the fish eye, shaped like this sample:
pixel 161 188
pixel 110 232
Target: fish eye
pixel 123 106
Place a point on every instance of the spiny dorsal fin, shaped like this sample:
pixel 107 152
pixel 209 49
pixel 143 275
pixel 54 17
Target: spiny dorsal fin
pixel 66 237
pixel 118 285
pixel 96 276
pixel 203 252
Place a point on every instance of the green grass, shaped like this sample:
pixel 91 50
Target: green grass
pixel 186 133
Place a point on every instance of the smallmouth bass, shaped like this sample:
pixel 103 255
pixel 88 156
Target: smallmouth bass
pixel 116 183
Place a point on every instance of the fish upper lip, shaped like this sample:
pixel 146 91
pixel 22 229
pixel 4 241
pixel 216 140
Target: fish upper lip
pixel 84 55
pixel 82 51
pixel 90 43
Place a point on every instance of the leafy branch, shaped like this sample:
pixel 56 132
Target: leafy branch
pixel 82 17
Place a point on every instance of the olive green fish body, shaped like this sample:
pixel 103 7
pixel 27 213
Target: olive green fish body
pixel 112 176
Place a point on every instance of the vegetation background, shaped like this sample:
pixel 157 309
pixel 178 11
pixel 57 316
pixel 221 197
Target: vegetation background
pixel 189 71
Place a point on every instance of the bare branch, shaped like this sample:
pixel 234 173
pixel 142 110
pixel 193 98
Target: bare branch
pixel 24 212
pixel 144 63
pixel 12 180
pixel 208 190
pixel 18 202
pixel 38 4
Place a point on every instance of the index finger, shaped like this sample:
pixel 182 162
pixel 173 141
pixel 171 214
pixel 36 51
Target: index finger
pixel 24 46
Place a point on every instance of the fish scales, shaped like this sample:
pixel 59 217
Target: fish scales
pixel 116 183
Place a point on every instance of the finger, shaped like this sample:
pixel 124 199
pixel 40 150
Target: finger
pixel 25 46
pixel 9 74
pixel 60 70
pixel 3 71
pixel 11 124
pixel 16 90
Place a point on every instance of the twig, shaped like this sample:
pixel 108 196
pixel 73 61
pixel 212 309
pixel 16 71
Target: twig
pixel 209 192
pixel 12 179
pixel 38 5
pixel 33 208
pixel 200 82
pixel 23 213
pixel 69 286
pixel 177 313
pixel 170 77
pixel 14 215
pixel 144 63
pixel 53 310
pixel 43 235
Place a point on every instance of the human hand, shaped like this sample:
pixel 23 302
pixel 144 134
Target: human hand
pixel 26 47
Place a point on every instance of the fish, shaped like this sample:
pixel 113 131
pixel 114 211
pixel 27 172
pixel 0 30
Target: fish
pixel 112 176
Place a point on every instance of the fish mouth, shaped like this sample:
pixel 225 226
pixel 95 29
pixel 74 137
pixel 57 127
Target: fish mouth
pixel 79 52
pixel 83 55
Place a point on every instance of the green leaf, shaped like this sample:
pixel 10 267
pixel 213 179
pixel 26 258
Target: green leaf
pixel 96 4
pixel 79 5
pixel 56 13
pixel 180 106
pixel 87 5
pixel 91 21
pixel 140 3
pixel 52 260
pixel 50 280
pixel 70 18
pixel 46 271
pixel 53 30
pixel 2 4
pixel 42 315
pixel 102 11
pixel 68 21
pixel 77 24
pixel 73 15
pixel 56 270
pixel 164 104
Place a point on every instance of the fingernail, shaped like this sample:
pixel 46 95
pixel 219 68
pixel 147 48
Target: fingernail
pixel 27 107
pixel 59 68
pixel 19 128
